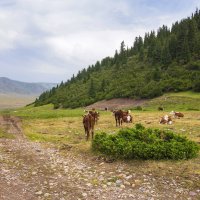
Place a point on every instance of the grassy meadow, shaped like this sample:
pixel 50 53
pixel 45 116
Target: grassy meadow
pixel 64 129
pixel 65 125
pixel 8 101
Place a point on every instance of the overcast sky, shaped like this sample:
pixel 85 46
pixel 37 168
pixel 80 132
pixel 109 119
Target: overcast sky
pixel 49 40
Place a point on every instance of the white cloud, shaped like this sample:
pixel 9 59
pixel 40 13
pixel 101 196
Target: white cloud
pixel 63 36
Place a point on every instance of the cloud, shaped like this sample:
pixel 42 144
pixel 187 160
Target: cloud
pixel 48 37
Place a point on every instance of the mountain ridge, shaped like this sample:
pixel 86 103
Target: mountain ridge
pixel 9 86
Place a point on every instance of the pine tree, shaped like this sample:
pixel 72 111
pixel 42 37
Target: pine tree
pixel 192 35
pixel 91 91
pixel 166 56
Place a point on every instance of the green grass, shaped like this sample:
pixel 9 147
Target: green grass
pixel 189 94
pixel 44 112
pixel 3 134
pixel 182 101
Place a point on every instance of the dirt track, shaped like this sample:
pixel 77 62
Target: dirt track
pixel 30 171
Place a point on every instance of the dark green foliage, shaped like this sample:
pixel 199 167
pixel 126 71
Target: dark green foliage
pixel 166 61
pixel 142 143
pixel 196 86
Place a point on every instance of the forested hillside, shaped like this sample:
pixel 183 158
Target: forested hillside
pixel 163 61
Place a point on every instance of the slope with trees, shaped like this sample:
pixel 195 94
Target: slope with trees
pixel 163 61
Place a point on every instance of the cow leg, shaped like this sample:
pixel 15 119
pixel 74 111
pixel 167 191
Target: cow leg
pixel 92 129
pixel 92 132
pixel 119 121
pixel 116 121
pixel 86 134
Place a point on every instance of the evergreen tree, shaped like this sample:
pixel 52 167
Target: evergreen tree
pixel 91 91
pixel 166 56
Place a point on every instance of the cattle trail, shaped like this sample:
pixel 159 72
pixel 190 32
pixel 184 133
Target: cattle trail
pixel 11 125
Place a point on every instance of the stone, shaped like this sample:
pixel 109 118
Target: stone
pixel 122 186
pixel 137 181
pixel 128 177
pixel 133 185
pixel 109 183
pixel 101 163
pixel 126 183
pixel 118 182
pixel 46 195
pixel 84 194
pixel 192 193
pixel 38 193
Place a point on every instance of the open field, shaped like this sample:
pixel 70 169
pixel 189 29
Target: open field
pixel 64 130
pixel 8 101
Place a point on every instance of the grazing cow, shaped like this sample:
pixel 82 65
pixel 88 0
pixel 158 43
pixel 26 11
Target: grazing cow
pixel 166 120
pixel 176 114
pixel 88 123
pixel 127 118
pixel 122 116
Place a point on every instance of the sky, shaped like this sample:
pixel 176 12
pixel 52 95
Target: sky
pixel 50 40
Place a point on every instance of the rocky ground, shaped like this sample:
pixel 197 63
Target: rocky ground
pixel 119 103
pixel 30 170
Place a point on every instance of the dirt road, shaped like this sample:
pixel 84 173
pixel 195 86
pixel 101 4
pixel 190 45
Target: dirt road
pixel 30 170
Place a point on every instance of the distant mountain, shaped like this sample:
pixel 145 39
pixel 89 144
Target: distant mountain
pixel 8 86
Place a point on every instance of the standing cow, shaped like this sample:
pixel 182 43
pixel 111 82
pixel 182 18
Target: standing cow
pixel 95 114
pixel 122 116
pixel 88 123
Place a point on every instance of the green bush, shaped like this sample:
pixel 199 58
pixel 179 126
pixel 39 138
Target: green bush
pixel 142 143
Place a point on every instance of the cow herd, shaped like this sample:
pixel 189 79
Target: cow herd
pixel 92 116
pixel 167 119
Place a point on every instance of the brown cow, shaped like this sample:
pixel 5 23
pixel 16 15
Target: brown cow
pixel 177 114
pixel 95 114
pixel 88 123
pixel 127 118
pixel 120 116
pixel 166 120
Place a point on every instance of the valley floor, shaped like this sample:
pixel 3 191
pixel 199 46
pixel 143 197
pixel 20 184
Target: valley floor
pixel 31 170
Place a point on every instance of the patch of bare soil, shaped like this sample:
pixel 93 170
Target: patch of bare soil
pixel 30 171
pixel 120 103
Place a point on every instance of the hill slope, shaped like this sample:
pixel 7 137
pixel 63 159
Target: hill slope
pixel 8 86
pixel 166 61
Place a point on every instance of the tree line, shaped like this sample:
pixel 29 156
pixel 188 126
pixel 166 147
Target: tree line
pixel 166 60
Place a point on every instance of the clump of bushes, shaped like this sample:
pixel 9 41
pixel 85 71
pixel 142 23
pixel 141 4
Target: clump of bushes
pixel 145 143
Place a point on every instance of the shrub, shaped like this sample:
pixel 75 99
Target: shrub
pixel 56 105
pixel 143 143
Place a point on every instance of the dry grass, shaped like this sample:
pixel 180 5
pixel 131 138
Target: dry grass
pixel 14 101
pixel 69 130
